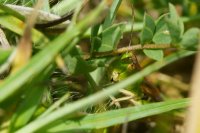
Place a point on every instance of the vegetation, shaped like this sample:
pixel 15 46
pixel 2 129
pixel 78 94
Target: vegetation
pixel 83 66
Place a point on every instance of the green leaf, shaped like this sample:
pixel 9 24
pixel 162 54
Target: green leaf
pixel 175 32
pixel 154 54
pixel 149 22
pixel 173 13
pixel 112 13
pixel 101 95
pixel 148 30
pixel 146 36
pixel 94 38
pixel 161 22
pixel 181 26
pixel 76 64
pixel 162 35
pixel 95 44
pixel 114 117
pixel 190 39
pixel 95 30
pixel 175 25
pixel 99 73
pixel 111 37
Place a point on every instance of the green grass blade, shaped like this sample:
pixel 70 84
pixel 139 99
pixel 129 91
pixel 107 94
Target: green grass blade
pixel 17 26
pixel 32 99
pixel 4 54
pixel 27 107
pixel 12 12
pixel 102 95
pixel 56 105
pixel 114 117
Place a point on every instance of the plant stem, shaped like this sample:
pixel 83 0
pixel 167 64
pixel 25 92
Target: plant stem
pixel 126 49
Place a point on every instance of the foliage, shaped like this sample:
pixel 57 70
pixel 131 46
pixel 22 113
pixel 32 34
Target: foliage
pixel 64 88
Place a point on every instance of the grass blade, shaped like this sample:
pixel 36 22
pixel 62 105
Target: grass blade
pixel 17 26
pixel 114 117
pixel 27 108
